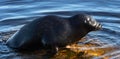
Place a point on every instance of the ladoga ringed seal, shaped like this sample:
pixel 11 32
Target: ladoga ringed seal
pixel 52 31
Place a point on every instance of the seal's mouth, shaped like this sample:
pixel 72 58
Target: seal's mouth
pixel 98 26
pixel 93 24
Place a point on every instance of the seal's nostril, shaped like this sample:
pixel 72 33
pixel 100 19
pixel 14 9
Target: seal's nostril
pixel 100 26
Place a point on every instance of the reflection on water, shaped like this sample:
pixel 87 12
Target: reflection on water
pixel 93 49
pixel 87 48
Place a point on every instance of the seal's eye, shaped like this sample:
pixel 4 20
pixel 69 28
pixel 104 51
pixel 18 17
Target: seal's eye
pixel 88 20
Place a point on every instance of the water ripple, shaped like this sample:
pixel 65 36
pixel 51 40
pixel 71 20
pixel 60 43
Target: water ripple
pixel 17 13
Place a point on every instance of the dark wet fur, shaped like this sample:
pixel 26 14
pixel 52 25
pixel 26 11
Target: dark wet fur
pixel 55 31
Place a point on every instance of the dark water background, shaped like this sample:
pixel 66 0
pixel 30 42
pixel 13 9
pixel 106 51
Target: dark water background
pixel 16 13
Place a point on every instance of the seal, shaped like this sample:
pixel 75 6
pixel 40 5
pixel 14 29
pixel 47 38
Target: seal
pixel 53 32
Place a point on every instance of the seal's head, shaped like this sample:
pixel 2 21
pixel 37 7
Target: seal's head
pixel 87 21
pixel 92 23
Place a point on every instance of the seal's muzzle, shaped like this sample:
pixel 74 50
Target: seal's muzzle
pixel 92 23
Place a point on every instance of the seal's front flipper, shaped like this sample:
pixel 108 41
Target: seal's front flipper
pixel 51 52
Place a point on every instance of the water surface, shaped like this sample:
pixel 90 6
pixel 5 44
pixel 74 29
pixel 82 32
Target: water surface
pixel 103 44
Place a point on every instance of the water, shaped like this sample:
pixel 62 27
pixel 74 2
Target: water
pixel 103 44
